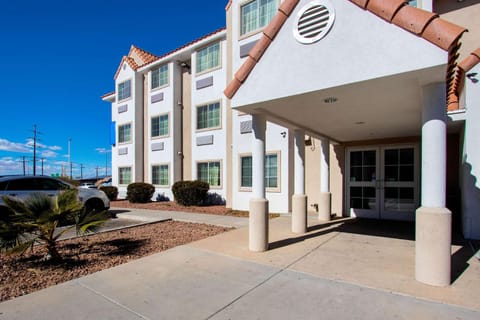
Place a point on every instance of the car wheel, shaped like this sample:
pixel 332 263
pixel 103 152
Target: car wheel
pixel 94 206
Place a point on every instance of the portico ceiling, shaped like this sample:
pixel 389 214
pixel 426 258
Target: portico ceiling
pixel 380 108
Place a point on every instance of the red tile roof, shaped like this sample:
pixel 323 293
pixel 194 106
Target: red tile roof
pixel 457 81
pixel 417 21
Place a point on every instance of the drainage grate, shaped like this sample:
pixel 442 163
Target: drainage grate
pixel 314 21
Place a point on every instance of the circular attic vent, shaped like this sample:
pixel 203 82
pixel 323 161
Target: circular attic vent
pixel 313 21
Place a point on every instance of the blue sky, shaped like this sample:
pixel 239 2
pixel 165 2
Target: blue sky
pixel 57 57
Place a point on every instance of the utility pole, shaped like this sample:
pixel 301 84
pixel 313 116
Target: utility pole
pixel 70 157
pixel 24 166
pixel 71 170
pixel 96 177
pixel 35 132
pixel 81 170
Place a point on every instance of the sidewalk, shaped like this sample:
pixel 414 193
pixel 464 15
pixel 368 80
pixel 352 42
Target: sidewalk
pixel 341 270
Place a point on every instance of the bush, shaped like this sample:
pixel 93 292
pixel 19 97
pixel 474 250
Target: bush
pixel 190 193
pixel 214 199
pixel 111 192
pixel 140 192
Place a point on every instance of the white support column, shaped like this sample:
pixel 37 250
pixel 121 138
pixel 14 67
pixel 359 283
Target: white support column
pixel 433 220
pixel 299 199
pixel 258 220
pixel 324 206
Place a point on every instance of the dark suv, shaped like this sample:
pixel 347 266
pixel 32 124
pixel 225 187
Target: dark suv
pixel 20 187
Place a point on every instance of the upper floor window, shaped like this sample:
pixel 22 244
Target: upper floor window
pixel 124 133
pixel 160 77
pixel 256 14
pixel 160 126
pixel 412 3
pixel 124 90
pixel 208 116
pixel 208 58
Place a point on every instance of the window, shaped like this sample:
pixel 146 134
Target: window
pixel 160 175
pixel 271 171
pixel 246 172
pixel 124 90
pixel 208 116
pixel 159 77
pixel 412 3
pixel 124 175
pixel 209 172
pixel 159 126
pixel 124 133
pixel 257 14
pixel 208 58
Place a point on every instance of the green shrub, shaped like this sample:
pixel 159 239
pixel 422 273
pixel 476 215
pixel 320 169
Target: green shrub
pixel 140 192
pixel 111 192
pixel 190 193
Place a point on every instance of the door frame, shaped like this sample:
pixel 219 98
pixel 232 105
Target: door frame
pixel 380 213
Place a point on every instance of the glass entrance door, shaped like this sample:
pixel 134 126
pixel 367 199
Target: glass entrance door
pixel 382 182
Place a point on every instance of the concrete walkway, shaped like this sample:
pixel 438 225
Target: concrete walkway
pixel 340 270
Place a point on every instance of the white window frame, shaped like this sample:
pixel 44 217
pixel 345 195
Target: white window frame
pixel 163 77
pixel 207 105
pixel 212 67
pixel 219 172
pixel 268 189
pixel 118 130
pixel 168 174
pixel 168 126
pixel 120 182
pixel 119 92
pixel 259 27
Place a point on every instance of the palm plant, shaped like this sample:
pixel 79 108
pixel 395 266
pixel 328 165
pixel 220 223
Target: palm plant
pixel 36 221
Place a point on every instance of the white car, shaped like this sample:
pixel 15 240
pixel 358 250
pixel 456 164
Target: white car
pixel 88 185
pixel 21 187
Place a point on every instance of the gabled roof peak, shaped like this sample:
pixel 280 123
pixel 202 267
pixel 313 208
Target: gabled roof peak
pixel 141 56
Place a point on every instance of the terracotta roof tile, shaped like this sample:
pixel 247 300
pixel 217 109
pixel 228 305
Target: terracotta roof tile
pixel 129 61
pixel 232 88
pixel 385 9
pixel 471 61
pixel 145 56
pixel 274 26
pixel 442 33
pixel 245 69
pixel 186 45
pixel 361 3
pixel 259 48
pixel 413 19
pixel 288 6
pixel 107 94
pixel 229 4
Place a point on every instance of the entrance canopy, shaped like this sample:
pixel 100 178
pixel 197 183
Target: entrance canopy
pixel 362 80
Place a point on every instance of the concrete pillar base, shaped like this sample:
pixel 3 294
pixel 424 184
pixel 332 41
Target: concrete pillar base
pixel 324 206
pixel 299 213
pixel 258 225
pixel 433 238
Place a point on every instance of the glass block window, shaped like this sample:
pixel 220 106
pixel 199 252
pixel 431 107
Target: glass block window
pixel 159 126
pixel 160 175
pixel 124 90
pixel 257 14
pixel 208 116
pixel 159 77
pixel 209 172
pixel 208 58
pixel 124 133
pixel 124 175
